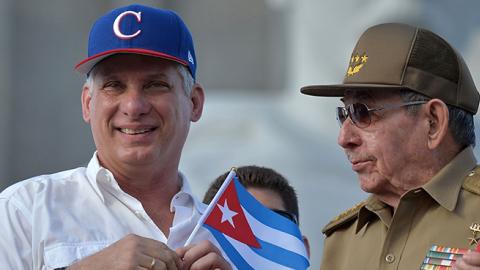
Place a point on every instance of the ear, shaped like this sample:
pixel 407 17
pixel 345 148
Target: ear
pixel 86 99
pixel 437 117
pixel 307 245
pixel 197 98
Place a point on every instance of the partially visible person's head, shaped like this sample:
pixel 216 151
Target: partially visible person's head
pixel 409 105
pixel 140 95
pixel 268 186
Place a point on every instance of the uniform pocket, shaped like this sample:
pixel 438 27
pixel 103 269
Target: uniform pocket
pixel 65 254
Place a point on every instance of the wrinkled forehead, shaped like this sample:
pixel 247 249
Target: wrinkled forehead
pixel 367 96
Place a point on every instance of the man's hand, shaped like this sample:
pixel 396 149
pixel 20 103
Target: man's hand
pixel 132 252
pixel 202 256
pixel 469 261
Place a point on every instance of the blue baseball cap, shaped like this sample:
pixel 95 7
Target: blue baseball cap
pixel 141 30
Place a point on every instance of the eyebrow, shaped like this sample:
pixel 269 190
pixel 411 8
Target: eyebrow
pixel 148 75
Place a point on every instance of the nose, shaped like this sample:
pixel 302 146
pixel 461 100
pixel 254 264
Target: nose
pixel 135 103
pixel 348 136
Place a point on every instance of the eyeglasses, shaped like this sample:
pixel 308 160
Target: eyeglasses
pixel 286 214
pixel 360 114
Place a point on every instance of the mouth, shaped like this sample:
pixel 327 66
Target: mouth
pixel 358 165
pixel 135 131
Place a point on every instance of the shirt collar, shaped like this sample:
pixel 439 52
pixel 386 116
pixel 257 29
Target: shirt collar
pixel 372 208
pixel 186 196
pixel 445 186
pixel 96 174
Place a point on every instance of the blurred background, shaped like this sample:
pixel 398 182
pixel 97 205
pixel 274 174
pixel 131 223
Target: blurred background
pixel 253 55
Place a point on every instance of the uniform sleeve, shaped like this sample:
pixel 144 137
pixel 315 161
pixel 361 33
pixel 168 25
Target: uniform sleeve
pixel 15 236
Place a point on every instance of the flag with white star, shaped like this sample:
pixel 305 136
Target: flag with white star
pixel 251 235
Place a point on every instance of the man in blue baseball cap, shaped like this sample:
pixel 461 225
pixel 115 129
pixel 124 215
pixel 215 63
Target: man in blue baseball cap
pixel 130 208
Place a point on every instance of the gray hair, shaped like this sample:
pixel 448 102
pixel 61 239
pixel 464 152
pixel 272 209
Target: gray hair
pixel 460 122
pixel 187 79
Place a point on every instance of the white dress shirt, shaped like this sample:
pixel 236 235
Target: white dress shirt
pixel 51 221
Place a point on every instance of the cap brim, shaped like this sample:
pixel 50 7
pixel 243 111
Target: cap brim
pixel 86 65
pixel 338 90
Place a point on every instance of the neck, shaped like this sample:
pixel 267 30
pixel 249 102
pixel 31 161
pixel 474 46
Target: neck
pixel 436 161
pixel 154 186
pixel 155 196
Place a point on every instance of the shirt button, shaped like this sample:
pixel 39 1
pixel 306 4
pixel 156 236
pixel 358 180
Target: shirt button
pixel 138 214
pixel 390 258
pixel 472 173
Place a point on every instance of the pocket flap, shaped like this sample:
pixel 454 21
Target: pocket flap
pixel 64 255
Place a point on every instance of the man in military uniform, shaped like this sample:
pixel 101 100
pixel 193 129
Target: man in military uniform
pixel 407 129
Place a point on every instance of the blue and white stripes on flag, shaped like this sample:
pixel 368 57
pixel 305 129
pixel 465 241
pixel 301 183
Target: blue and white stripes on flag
pixel 279 239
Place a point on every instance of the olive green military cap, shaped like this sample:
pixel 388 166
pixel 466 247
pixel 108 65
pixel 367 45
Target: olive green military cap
pixel 398 56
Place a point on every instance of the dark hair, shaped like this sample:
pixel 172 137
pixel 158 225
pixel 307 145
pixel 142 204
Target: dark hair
pixel 260 177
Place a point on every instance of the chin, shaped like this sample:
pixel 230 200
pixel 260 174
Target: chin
pixel 369 185
pixel 136 156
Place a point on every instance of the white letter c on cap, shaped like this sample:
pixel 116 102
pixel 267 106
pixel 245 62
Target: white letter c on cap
pixel 116 24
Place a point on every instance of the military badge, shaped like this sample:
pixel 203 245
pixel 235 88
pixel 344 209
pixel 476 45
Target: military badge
pixel 475 228
pixel 442 258
pixel 356 63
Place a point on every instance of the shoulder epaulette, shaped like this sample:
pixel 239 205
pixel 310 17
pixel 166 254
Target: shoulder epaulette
pixel 472 182
pixel 342 219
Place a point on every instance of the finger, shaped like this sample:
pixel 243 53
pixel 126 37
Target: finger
pixel 192 253
pixel 472 258
pixel 151 263
pixel 211 261
pixel 171 259
pixel 189 254
pixel 159 265
pixel 181 251
pixel 147 261
pixel 163 253
pixel 463 264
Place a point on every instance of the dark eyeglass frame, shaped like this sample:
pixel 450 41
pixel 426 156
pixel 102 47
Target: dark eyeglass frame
pixel 286 214
pixel 361 115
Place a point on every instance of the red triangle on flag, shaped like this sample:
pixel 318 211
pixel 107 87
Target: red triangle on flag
pixel 228 218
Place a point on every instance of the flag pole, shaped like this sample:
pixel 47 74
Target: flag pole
pixel 212 204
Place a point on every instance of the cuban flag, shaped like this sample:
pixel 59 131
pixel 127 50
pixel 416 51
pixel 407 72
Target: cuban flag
pixel 251 235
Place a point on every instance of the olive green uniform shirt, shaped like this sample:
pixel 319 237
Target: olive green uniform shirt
pixel 440 213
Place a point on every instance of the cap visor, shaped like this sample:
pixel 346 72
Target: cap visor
pixel 338 90
pixel 86 65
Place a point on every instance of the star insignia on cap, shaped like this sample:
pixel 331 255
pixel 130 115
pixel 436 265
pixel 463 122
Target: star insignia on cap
pixel 364 58
pixel 357 61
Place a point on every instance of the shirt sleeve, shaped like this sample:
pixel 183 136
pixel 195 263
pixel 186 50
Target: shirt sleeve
pixel 16 235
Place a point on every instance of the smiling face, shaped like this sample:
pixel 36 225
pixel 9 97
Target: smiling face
pixel 389 154
pixel 139 112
